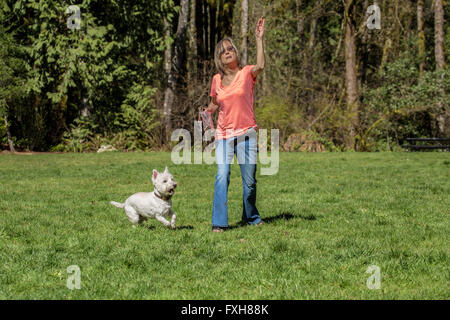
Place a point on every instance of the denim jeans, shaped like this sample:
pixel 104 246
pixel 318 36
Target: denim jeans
pixel 245 148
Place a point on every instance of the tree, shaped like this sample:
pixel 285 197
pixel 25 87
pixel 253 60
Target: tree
pixel 300 22
pixel 421 34
pixel 244 31
pixel 170 86
pixel 439 53
pixel 12 77
pixel 389 26
pixel 175 64
pixel 439 49
pixel 351 79
pixel 192 54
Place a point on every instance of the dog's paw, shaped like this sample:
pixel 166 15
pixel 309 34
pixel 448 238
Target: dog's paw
pixel 173 222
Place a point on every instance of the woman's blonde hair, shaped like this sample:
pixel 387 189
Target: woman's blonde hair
pixel 218 53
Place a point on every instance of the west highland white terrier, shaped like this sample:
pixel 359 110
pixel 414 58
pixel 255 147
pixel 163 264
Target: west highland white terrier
pixel 157 204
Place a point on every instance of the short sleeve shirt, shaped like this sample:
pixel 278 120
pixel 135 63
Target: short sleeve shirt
pixel 236 104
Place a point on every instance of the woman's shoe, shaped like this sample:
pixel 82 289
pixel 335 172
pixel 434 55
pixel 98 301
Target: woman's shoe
pixel 218 229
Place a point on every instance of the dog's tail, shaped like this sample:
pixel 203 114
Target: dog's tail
pixel 118 205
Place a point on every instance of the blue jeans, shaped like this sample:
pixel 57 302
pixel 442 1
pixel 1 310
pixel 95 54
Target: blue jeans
pixel 245 148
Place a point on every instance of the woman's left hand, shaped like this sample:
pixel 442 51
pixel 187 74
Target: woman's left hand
pixel 259 32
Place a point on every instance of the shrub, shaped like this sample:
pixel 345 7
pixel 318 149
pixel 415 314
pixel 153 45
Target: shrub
pixel 404 105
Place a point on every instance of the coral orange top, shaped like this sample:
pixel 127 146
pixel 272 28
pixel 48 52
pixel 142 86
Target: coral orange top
pixel 236 104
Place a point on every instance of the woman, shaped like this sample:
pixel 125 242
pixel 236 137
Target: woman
pixel 232 90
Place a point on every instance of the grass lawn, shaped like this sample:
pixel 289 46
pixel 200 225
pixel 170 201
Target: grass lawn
pixel 328 216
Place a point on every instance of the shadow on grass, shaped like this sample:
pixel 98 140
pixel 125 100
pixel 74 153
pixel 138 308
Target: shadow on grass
pixel 184 227
pixel 282 216
pixel 176 228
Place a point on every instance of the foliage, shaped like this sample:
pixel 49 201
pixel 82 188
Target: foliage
pixel 12 76
pixel 275 112
pixel 137 121
pixel 92 70
pixel 110 73
pixel 139 117
pixel 405 104
pixel 77 139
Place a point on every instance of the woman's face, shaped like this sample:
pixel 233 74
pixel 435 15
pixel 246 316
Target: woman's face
pixel 228 53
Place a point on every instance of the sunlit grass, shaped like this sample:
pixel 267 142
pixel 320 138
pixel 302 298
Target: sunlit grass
pixel 328 218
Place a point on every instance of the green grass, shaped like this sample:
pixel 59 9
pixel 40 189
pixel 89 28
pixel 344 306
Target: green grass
pixel 328 217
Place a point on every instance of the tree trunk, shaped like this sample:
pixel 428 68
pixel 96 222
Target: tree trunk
pixel 421 35
pixel 300 23
pixel 192 55
pixel 168 93
pixel 175 70
pixel 308 53
pixel 205 29
pixel 8 134
pixel 199 29
pixel 312 35
pixel 397 35
pixel 351 76
pixel 439 50
pixel 301 35
pixel 244 30
pixel 212 27
pixel 388 41
pixel 220 21
pixel 439 53
pixel 227 18
pixel 310 49
pixel 409 18
pixel 386 48
pixel 179 58
pixel 192 34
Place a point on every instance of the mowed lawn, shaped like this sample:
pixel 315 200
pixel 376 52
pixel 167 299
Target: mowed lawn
pixel 328 217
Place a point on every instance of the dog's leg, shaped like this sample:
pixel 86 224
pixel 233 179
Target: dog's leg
pixel 132 215
pixel 172 221
pixel 162 220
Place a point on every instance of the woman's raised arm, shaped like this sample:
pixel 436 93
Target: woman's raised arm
pixel 259 32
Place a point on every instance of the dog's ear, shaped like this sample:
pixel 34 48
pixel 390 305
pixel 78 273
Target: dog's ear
pixel 155 174
pixel 166 170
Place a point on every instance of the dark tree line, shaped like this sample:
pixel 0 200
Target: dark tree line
pixel 136 70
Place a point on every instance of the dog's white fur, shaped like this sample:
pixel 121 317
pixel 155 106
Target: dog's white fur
pixel 157 204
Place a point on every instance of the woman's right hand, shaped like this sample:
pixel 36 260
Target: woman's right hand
pixel 202 109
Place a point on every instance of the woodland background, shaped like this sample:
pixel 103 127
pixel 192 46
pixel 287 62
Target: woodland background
pixel 137 70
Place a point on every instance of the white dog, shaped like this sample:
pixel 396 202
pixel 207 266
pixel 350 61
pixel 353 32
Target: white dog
pixel 157 204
